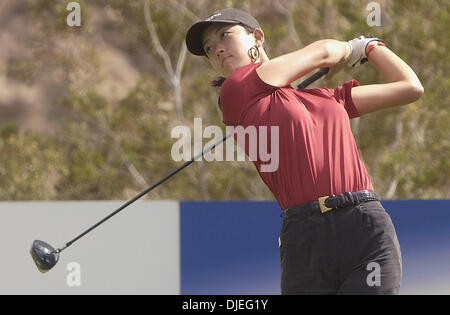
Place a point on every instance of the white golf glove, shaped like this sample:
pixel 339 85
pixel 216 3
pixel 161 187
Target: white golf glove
pixel 358 50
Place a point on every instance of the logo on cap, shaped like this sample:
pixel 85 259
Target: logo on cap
pixel 212 17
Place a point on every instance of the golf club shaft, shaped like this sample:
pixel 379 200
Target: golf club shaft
pixel 302 85
pixel 141 194
pixel 313 78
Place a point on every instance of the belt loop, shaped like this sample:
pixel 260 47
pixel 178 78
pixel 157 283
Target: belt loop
pixel 356 198
pixel 351 197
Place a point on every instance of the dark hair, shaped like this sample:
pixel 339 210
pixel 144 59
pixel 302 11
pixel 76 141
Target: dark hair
pixel 219 80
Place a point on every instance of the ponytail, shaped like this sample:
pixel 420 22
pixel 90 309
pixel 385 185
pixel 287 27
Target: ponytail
pixel 218 82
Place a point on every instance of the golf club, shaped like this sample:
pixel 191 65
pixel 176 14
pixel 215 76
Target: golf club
pixel 45 256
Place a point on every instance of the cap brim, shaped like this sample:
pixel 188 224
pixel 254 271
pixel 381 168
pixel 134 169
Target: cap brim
pixel 195 33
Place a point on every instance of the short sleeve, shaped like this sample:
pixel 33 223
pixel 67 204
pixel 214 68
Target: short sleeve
pixel 240 91
pixel 343 95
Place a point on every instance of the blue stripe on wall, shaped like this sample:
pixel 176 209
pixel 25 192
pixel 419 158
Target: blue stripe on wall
pixel 423 230
pixel 231 247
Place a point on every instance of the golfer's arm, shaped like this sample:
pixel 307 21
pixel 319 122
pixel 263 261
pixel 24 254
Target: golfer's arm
pixel 402 87
pixel 285 69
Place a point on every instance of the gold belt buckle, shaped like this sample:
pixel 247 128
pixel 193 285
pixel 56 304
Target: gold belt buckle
pixel 323 207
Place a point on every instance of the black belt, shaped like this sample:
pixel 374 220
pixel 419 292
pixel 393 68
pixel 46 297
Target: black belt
pixel 328 203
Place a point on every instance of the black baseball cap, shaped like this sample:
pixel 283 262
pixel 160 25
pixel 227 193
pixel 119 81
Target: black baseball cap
pixel 229 15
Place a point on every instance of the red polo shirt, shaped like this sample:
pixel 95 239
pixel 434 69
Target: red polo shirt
pixel 317 152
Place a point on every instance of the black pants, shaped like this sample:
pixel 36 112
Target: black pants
pixel 352 250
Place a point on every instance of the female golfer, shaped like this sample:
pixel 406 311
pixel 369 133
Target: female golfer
pixel 336 238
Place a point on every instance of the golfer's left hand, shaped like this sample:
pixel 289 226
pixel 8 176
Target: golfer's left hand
pixel 359 45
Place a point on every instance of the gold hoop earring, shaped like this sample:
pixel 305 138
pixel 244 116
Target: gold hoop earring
pixel 253 53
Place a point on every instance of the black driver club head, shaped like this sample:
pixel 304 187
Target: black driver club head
pixel 44 255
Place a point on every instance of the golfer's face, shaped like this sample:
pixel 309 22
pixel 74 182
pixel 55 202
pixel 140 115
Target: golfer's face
pixel 227 46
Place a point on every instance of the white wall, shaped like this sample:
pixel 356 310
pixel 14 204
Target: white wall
pixel 135 252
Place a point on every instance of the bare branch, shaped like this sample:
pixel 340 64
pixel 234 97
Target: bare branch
pixel 155 40
pixel 181 60
pixel 132 169
pixel 391 190
pixel 188 12
pixel 174 76
pixel 290 22
pixel 396 172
